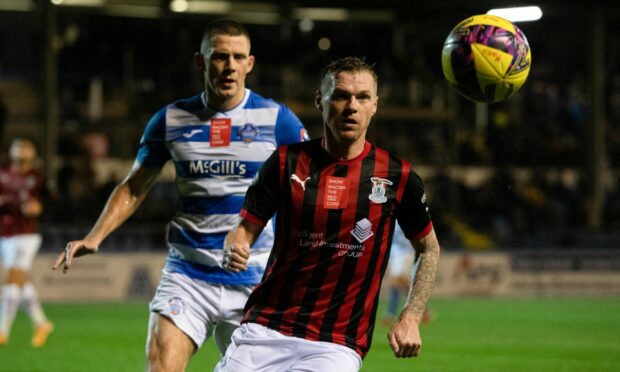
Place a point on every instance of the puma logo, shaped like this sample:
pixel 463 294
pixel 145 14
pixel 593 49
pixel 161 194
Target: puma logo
pixel 296 178
pixel 192 133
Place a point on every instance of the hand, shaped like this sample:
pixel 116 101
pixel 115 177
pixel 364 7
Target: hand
pixel 404 336
pixel 236 257
pixel 75 248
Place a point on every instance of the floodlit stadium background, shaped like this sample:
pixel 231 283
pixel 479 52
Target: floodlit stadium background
pixel 524 194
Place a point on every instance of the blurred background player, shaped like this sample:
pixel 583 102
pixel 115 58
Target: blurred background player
pixel 400 273
pixel 217 140
pixel 21 189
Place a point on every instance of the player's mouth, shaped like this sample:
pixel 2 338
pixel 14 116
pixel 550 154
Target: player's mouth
pixel 349 121
pixel 227 82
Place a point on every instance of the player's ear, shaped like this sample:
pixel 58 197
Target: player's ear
pixel 374 106
pixel 251 61
pixel 318 97
pixel 199 60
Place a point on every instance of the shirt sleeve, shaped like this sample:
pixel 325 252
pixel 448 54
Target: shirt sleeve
pixel 412 214
pixel 289 128
pixel 152 152
pixel 262 198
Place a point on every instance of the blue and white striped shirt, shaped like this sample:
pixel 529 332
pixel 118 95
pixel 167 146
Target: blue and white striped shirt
pixel 216 155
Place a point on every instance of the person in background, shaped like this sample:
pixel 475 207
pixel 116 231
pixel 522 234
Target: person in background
pixel 217 140
pixel 22 187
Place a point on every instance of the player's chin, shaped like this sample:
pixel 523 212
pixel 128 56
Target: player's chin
pixel 349 135
pixel 226 90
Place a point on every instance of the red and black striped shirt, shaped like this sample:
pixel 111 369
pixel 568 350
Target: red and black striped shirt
pixel 334 227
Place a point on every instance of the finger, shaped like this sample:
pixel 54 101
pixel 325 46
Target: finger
pixel 237 265
pixel 393 343
pixel 238 257
pixel 402 351
pixel 407 351
pixel 68 257
pixel 410 350
pixel 243 252
pixel 416 349
pixel 59 260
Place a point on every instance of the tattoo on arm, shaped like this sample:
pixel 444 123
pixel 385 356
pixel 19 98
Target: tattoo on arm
pixel 424 279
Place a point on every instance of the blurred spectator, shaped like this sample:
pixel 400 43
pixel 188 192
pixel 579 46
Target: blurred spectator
pixel 76 183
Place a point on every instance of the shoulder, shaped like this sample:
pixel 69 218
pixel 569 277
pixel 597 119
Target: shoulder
pixel 176 109
pixel 393 159
pixel 255 100
pixel 307 146
pixel 294 151
pixel 188 104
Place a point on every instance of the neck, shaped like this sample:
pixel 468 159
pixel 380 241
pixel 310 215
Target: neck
pixel 343 150
pixel 223 103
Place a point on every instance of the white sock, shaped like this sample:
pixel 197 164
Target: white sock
pixel 8 307
pixel 32 304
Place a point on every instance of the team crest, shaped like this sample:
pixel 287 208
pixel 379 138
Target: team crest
pixel 378 189
pixel 248 133
pixel 176 305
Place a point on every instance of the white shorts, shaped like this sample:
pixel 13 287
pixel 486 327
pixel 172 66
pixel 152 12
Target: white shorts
pixel 255 348
pixel 201 309
pixel 17 252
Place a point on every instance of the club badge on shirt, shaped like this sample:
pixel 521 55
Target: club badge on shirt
pixel 248 133
pixel 336 193
pixel 378 189
pixel 219 135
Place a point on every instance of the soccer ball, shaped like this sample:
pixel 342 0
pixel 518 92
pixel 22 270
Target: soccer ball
pixel 486 58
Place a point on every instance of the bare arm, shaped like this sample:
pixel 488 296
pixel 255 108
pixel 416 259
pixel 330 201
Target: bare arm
pixel 404 336
pixel 122 203
pixel 237 245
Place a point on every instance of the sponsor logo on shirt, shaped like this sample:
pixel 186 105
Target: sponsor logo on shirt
pixel 362 230
pixel 312 240
pixel 217 167
pixel 192 133
pixel 296 178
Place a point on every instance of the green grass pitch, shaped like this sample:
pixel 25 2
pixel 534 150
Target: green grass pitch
pixel 467 335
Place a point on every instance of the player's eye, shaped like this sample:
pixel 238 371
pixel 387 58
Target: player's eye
pixel 340 96
pixel 219 57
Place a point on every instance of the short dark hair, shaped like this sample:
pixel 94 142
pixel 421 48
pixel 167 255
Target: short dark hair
pixel 347 64
pixel 223 26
